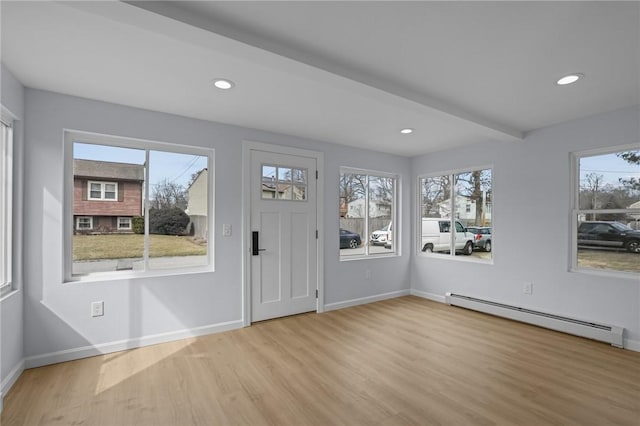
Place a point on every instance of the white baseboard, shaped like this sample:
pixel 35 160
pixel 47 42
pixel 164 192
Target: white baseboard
pixel 10 380
pixel 105 348
pixel 426 295
pixel 363 300
pixel 632 345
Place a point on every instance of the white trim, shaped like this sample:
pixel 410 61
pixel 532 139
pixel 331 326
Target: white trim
pixel 632 345
pixel 6 203
pixel 103 190
pixel 121 345
pixel 365 300
pixel 78 228
pixel 247 147
pixel 10 379
pixel 124 228
pixel 430 296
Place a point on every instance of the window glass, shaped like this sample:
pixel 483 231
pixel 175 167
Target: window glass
pixel 137 209
pixel 462 200
pixel 178 200
pixel 367 206
pixel 283 183
pixel 608 211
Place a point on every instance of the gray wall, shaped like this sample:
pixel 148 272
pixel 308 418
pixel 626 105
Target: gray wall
pixel 531 215
pixel 11 323
pixel 58 313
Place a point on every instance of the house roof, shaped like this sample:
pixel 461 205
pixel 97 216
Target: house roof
pixel 108 170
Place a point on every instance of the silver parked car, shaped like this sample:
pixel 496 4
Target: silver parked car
pixel 482 239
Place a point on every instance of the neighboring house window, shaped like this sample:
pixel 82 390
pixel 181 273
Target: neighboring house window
pixel 106 191
pixel 124 223
pixel 367 210
pixel 606 211
pixel 6 194
pixel 146 226
pixel 461 201
pixel 84 223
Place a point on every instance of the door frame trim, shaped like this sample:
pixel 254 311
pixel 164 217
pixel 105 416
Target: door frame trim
pixel 247 147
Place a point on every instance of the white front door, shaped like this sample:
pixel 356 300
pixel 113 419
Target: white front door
pixel 284 261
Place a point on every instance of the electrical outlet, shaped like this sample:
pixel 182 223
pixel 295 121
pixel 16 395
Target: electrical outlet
pixel 97 309
pixel 226 230
pixel 527 288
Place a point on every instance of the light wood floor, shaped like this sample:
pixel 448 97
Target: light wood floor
pixel 405 361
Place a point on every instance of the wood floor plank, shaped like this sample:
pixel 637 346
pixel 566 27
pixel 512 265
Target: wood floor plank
pixel 405 361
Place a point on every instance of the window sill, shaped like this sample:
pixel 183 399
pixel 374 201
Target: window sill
pixel 606 273
pixel 131 275
pixel 369 257
pixel 9 295
pixel 456 258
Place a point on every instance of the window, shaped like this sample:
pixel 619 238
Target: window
pixel 367 210
pixel 124 223
pixel 283 183
pixel 137 206
pixel 84 223
pixel 606 212
pixel 460 201
pixel 106 191
pixel 6 194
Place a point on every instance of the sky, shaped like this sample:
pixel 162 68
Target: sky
pixel 174 167
pixel 610 167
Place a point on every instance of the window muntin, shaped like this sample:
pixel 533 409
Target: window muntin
pixel 124 223
pixel 103 191
pixel 6 196
pixel 283 183
pixel 367 208
pixel 84 223
pixel 464 199
pixel 161 218
pixel 606 215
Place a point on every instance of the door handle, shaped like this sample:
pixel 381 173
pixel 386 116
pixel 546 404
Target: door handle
pixel 255 250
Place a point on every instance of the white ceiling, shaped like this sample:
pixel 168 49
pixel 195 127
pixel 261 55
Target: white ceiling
pixel 353 73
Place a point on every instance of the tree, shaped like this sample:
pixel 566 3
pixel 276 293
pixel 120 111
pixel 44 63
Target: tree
pixel 434 191
pixel 591 188
pixel 168 194
pixel 352 187
pixel 477 186
pixel 631 157
pixel 168 221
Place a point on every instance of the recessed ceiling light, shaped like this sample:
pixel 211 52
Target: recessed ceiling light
pixel 406 131
pixel 568 79
pixel 222 83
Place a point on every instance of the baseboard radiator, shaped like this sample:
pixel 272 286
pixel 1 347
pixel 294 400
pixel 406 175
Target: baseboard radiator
pixel 602 332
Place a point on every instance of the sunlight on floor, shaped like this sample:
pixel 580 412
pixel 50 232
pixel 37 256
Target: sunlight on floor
pixel 120 366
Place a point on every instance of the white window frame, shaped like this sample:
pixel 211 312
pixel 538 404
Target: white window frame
pixel 395 215
pixel 78 228
pixel 452 193
pixel 576 211
pixel 72 136
pixel 6 204
pixel 103 190
pixel 125 228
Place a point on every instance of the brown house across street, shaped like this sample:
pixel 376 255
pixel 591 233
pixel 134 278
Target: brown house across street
pixel 106 196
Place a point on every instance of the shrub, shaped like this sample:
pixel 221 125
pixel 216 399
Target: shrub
pixel 137 224
pixel 168 221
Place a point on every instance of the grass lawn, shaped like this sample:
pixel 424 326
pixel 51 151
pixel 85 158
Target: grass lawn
pixel 96 247
pixel 609 259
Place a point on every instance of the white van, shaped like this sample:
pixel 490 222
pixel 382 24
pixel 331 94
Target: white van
pixel 436 236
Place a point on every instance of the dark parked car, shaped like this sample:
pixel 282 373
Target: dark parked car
pixel 482 239
pixel 608 234
pixel 349 239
